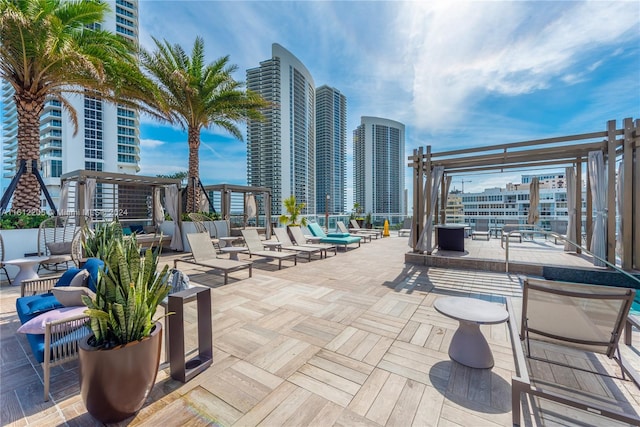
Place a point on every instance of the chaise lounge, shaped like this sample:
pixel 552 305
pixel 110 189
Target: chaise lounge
pixel 576 321
pixel 204 255
pixel 255 247
pixel 343 239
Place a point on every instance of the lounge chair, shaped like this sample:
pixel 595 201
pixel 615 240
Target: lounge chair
pixel 481 230
pixel 578 317
pixel 300 239
pixel 406 227
pixel 287 244
pixel 343 239
pixel 204 255
pixel 511 230
pixel 254 245
pixel 55 235
pixel 356 227
pixel 344 230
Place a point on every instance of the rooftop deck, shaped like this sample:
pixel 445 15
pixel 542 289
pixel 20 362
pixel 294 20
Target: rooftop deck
pixel 348 340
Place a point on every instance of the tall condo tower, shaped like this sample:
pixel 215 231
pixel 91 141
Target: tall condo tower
pixel 331 150
pixel 379 164
pixel 108 137
pixel 281 148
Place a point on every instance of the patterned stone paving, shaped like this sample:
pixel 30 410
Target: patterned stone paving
pixel 345 341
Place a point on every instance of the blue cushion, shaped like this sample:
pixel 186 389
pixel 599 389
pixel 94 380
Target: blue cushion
pixel 68 275
pixel 31 306
pixel 126 231
pixel 36 342
pixel 93 265
pixel 338 235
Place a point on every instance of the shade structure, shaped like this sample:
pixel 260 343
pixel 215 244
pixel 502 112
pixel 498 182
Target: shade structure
pixel 534 201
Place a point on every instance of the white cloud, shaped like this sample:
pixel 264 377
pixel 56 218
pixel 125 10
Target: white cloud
pixel 461 50
pixel 151 143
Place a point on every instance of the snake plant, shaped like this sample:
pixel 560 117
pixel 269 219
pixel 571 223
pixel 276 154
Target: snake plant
pixel 128 291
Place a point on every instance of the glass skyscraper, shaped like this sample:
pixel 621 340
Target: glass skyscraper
pixel 281 148
pixel 379 166
pixel 331 150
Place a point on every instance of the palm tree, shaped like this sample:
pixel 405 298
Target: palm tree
pixel 199 95
pixel 48 50
pixel 294 211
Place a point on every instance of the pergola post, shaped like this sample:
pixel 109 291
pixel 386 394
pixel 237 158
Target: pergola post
pixel 628 216
pixel 611 192
pixel 635 184
pixel 428 186
pixel 418 210
pixel 579 207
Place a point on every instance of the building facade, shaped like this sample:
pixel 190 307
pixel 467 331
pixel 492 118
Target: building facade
pixel 379 166
pixel 107 138
pixel 331 150
pixel 511 204
pixel 281 148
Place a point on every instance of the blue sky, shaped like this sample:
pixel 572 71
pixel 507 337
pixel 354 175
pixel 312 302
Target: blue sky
pixel 457 74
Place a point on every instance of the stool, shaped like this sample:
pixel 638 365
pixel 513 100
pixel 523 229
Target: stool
pixel 180 369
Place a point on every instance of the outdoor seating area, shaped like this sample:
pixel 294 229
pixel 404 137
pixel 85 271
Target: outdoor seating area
pixel 354 338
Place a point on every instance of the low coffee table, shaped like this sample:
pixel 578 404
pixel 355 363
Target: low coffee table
pixel 468 346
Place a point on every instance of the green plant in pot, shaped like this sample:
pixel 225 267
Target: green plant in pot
pixel 119 361
pixel 294 212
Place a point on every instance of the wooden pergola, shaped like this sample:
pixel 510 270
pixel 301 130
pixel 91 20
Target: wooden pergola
pixel 569 151
pixel 126 197
pixel 226 190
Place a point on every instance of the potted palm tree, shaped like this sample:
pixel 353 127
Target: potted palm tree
pixel 195 94
pixel 294 212
pixel 119 360
pixel 51 49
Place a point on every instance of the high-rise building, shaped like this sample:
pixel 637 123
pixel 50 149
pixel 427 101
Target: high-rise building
pixel 379 165
pixel 281 148
pixel 331 150
pixel 108 137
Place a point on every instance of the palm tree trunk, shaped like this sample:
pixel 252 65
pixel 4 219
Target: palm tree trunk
pixel 29 108
pixel 193 193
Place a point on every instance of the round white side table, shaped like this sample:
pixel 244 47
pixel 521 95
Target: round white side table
pixel 468 346
pixel 26 265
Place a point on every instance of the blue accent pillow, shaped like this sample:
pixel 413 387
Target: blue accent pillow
pixel 93 265
pixel 31 306
pixel 126 231
pixel 68 275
